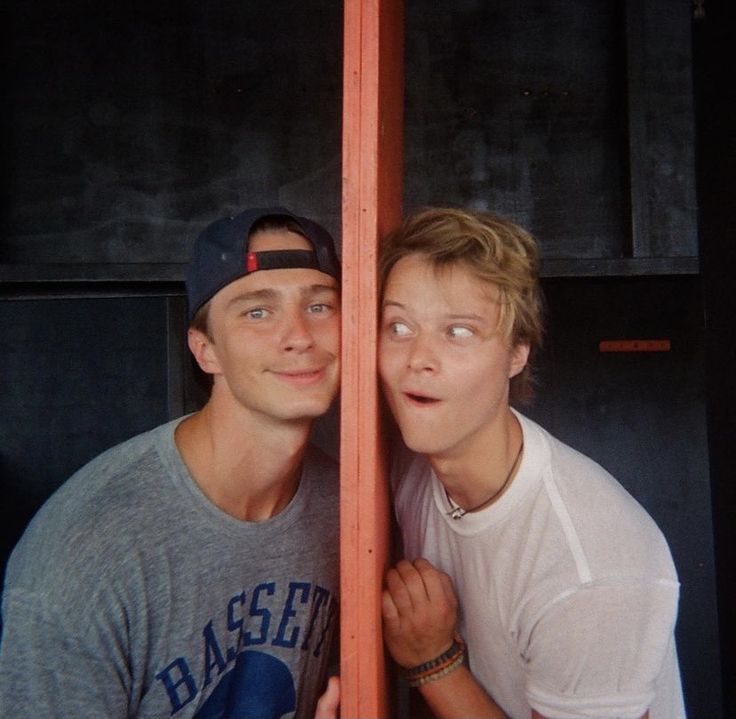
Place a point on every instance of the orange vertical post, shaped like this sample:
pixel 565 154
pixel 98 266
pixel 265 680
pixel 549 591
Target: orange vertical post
pixel 371 205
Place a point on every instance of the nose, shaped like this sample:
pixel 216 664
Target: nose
pixel 422 357
pixel 297 335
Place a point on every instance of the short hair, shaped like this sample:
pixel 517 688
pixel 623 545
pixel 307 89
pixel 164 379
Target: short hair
pixel 494 249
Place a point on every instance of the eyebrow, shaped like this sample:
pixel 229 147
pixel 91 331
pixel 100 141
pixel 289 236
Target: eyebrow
pixel 258 295
pixel 468 316
pixel 271 294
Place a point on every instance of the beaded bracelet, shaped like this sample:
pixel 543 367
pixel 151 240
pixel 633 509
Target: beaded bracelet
pixel 438 667
pixel 439 672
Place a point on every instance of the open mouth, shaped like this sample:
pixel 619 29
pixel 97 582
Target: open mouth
pixel 420 399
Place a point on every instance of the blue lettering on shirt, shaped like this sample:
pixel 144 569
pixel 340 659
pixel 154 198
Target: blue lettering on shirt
pixel 212 654
pixel 175 677
pixel 235 625
pixel 257 611
pixel 320 596
pixel 252 684
pixel 289 612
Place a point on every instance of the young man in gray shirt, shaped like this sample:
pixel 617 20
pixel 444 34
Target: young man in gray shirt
pixel 192 571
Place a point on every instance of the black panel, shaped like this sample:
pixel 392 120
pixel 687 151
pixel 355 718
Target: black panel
pixel 642 416
pixel 520 108
pixel 79 376
pixel 128 125
pixel 563 114
pixel 715 36
pixel 661 128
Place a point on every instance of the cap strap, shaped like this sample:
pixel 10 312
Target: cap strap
pixel 281 260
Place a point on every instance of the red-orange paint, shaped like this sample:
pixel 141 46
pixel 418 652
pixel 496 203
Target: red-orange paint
pixel 371 206
pixel 634 346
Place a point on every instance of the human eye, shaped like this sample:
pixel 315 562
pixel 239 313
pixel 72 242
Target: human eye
pixel 320 308
pixel 460 332
pixel 398 329
pixel 256 313
pixel 322 302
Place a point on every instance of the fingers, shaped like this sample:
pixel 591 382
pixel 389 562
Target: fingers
pixel 405 586
pixel 419 612
pixel 388 606
pixel 438 585
pixel 330 701
pixel 411 585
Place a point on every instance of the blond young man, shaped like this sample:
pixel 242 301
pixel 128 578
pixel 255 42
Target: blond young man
pixel 533 584
pixel 192 571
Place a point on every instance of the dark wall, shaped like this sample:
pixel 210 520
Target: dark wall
pixel 573 117
pixel 127 126
pixel 715 39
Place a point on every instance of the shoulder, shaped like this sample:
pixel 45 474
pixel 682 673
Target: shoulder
pixel 113 475
pixel 598 514
pixel 93 516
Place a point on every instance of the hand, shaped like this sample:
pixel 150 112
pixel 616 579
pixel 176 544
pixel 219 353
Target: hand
pixel 330 701
pixel 419 612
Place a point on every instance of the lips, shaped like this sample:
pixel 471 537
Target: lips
pixel 416 398
pixel 301 377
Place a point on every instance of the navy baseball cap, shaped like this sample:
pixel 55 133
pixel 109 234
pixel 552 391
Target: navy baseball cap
pixel 221 255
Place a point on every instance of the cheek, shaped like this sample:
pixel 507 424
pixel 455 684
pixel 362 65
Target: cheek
pixel 480 380
pixel 388 361
pixel 329 336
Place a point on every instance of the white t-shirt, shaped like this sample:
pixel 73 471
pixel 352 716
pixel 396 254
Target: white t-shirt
pixel 567 588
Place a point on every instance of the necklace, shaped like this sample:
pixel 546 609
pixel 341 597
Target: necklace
pixel 457 512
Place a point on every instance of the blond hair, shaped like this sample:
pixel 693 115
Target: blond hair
pixel 496 251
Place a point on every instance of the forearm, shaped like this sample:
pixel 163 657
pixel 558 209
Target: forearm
pixel 459 696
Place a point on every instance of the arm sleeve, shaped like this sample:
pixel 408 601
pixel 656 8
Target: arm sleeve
pixel 599 650
pixel 56 663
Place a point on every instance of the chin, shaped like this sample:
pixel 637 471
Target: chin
pixel 309 411
pixel 420 442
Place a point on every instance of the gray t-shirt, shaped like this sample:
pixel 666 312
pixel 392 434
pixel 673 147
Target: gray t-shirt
pixel 132 595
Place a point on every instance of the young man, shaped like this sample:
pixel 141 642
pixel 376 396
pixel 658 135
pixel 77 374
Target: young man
pixel 533 585
pixel 193 571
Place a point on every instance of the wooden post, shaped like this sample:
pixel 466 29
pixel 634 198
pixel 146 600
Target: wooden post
pixel 371 205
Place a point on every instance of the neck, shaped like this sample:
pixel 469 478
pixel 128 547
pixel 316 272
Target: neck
pixel 248 467
pixel 479 475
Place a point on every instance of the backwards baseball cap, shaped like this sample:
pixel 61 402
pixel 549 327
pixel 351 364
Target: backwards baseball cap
pixel 221 253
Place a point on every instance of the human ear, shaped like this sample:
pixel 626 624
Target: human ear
pixel 200 345
pixel 519 358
